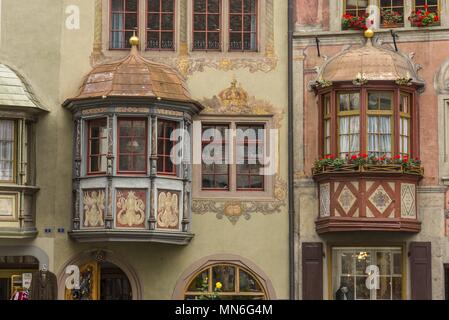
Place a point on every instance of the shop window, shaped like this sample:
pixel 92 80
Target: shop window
pixel 161 24
pixel 165 143
pixel 7 150
pixel 132 145
pixel 367 274
pixel 356 7
pixel 243 25
pixel 206 25
pixel 225 282
pixel 97 146
pixel 244 172
pixel 124 21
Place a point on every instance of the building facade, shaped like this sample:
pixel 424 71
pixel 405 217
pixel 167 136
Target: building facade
pixel 370 149
pixel 91 93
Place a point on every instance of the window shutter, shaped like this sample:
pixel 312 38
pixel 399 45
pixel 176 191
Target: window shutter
pixel 421 270
pixel 312 271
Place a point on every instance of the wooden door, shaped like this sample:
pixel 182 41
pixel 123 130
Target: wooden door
pixel 89 283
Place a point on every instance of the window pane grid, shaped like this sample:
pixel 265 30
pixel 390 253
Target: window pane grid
pixel 248 173
pixel 393 6
pixel 165 146
pixel 160 24
pixel 97 146
pixel 433 5
pixel 356 7
pixel 7 146
pixel 243 22
pixel 327 125
pixel 124 21
pixel 349 123
pixel 132 149
pixel 216 176
pixel 206 25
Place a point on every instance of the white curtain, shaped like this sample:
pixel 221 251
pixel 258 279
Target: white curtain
pixel 6 149
pixel 117 37
pixel 349 135
pixel 379 135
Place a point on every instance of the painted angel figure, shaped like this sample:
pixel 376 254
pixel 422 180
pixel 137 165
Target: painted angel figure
pixel 94 209
pixel 168 212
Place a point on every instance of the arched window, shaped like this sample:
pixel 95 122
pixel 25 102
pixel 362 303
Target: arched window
pixel 376 121
pixel 225 282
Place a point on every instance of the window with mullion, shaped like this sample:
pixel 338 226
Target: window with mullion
pixel 250 144
pixel 327 125
pixel 393 6
pixel 160 24
pixel 356 7
pixel 7 150
pixel 243 25
pixel 124 21
pixel 165 145
pixel 215 170
pixel 348 123
pixel 380 124
pixel 404 126
pixel 206 25
pixel 132 145
pixel 97 146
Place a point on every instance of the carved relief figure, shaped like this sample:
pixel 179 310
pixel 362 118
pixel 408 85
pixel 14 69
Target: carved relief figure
pixel 168 210
pixel 94 205
pixel 131 208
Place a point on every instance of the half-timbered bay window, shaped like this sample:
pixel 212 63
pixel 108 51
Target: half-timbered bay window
pixel 124 21
pixel 19 111
pixel 367 126
pixel 367 167
pixel 161 24
pixel 132 168
pixel 207 24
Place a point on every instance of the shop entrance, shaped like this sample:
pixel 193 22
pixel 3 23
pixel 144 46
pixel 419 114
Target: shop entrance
pixel 101 281
pixel 11 270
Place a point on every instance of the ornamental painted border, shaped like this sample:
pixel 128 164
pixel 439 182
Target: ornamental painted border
pixel 188 65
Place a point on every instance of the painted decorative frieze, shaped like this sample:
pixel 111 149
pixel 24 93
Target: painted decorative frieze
pixel 233 210
pixel 380 199
pixel 130 208
pixel 94 205
pixel 346 199
pixel 168 209
pixel 187 63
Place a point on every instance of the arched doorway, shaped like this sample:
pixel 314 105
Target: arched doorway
pixel 12 269
pixel 103 276
pixel 224 277
pixel 101 281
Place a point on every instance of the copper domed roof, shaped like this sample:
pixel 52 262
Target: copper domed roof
pixel 134 76
pixel 372 62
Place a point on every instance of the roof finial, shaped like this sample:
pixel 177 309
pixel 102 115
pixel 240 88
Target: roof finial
pixel 134 40
pixel 369 34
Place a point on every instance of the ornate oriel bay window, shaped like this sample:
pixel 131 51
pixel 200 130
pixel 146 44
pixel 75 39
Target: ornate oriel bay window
pixel 368 166
pixel 131 118
pixel 19 111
